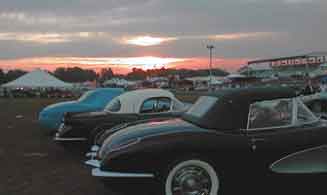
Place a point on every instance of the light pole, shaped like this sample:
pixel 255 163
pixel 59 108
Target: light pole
pixel 210 47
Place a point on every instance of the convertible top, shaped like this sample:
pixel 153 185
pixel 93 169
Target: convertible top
pixel 230 112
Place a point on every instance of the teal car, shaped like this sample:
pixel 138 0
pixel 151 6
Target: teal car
pixel 95 100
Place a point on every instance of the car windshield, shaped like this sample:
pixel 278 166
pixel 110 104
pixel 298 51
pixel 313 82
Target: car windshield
pixel 113 106
pixel 201 106
pixel 85 96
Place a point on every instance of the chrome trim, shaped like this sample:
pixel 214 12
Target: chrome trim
pixel 93 163
pixel 96 172
pixel 136 141
pixel 61 127
pixel 91 154
pixel 95 148
pixel 296 153
pixel 69 139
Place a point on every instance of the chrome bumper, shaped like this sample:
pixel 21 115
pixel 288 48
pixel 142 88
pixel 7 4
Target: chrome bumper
pixel 58 138
pixel 93 153
pixel 93 163
pixel 61 127
pixel 96 172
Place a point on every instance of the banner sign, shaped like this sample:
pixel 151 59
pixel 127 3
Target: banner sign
pixel 300 61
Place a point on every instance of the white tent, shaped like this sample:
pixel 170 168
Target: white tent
pixel 37 78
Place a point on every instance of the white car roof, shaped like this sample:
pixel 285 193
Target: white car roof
pixel 132 101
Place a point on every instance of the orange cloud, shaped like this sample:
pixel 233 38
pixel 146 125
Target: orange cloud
pixel 120 65
pixel 202 63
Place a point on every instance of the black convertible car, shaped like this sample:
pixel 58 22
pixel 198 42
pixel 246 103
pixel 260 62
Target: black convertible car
pixel 128 107
pixel 224 138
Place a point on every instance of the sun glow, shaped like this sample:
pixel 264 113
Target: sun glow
pixel 123 63
pixel 147 40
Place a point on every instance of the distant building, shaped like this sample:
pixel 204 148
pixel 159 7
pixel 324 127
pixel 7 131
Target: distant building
pixel 160 82
pixel 119 82
pixel 312 64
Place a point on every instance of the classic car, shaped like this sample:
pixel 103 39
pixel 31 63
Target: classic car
pixel 128 107
pixel 94 100
pixel 226 138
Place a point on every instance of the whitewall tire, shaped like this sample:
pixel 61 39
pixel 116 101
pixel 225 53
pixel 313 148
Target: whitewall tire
pixel 192 177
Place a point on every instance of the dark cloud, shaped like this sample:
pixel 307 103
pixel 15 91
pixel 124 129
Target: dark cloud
pixel 295 26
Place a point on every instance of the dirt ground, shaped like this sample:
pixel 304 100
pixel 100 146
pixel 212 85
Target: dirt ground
pixel 31 163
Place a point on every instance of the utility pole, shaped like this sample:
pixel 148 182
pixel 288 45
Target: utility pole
pixel 210 47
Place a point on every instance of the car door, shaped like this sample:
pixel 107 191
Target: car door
pixel 274 140
pixel 273 133
pixel 270 146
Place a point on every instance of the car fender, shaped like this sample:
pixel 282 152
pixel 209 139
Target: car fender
pixel 155 153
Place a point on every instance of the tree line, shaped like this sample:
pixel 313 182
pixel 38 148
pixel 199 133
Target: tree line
pixel 10 75
pixel 77 74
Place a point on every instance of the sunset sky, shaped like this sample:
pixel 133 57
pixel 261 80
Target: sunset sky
pixel 154 33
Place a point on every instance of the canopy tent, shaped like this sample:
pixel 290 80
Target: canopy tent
pixel 37 79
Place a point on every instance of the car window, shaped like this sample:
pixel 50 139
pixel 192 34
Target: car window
pixel 272 113
pixel 163 104
pixel 156 105
pixel 113 106
pixel 201 106
pixel 149 106
pixel 178 106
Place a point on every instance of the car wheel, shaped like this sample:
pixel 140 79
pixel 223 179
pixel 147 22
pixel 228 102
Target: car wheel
pixel 192 177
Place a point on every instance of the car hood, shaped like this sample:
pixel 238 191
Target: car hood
pixel 72 106
pixel 143 130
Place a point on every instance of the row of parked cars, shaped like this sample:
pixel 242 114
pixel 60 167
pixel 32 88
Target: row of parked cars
pixel 223 138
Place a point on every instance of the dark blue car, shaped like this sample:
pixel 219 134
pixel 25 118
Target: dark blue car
pixel 94 100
